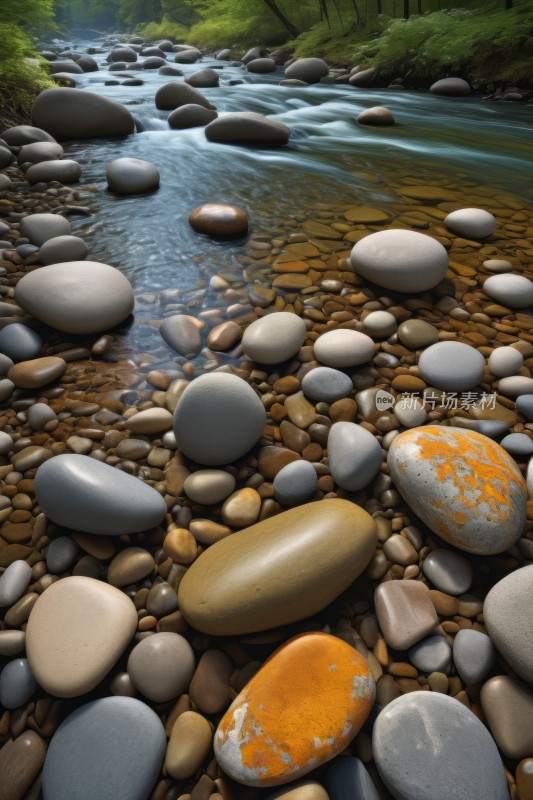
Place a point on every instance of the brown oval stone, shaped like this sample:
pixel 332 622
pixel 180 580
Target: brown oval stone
pixel 224 336
pixel 210 688
pixel 130 566
pixel 218 219
pixel 242 508
pixel 377 115
pixel 190 743
pixel 37 372
pixel 21 761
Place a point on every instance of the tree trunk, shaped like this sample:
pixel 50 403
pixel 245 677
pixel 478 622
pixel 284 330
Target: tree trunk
pixel 508 4
pixel 419 6
pixel 380 10
pixel 406 9
pixel 285 21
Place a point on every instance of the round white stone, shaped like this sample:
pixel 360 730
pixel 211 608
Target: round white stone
pixel 451 366
pixel 515 291
pixel 380 323
pixel 410 412
pixel 505 361
pixel 274 338
pixel 343 348
pixel 474 223
pixel 218 419
pixel 76 296
pixel 404 261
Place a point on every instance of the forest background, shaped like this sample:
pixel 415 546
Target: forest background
pixel 485 41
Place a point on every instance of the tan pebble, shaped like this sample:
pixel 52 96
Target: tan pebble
pixel 508 706
pixel 301 790
pixel 189 745
pixel 19 613
pixel 100 547
pixel 37 372
pixel 130 566
pixel 158 379
pixel 286 385
pixel 438 682
pixel 12 642
pixel 300 411
pixel 445 605
pixel 182 704
pixel 242 508
pixel 210 688
pixel 180 545
pixel 386 690
pixel 405 612
pixel 175 477
pixel 150 421
pixel 378 566
pixel 208 532
pixel 399 550
pixel 401 669
pixel 344 410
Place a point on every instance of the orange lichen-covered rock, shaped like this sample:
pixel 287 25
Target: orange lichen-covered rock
pixel 300 710
pixel 463 485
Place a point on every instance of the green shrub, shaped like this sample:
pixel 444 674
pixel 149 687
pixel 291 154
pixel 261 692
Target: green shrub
pixel 21 77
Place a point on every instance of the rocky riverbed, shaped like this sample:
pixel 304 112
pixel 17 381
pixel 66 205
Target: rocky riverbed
pixel 285 549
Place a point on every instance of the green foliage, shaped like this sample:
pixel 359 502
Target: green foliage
pixel 22 76
pixel 488 45
pixel 227 23
pixel 166 29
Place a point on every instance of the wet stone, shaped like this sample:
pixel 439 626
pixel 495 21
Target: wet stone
pixel 474 655
pixel 508 706
pixel 448 571
pixel 217 219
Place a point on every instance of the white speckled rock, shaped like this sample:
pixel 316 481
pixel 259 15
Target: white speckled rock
pixel 122 736
pixel 505 361
pixel 77 630
pixel 354 455
pixel 462 484
pixel 274 338
pixel 14 582
pixel 472 223
pixel 326 384
pixel 84 494
pixel 38 228
pixel 344 348
pixel 448 571
pixel 474 655
pixel 404 261
pixel 218 419
pixel 131 176
pixel 508 611
pixel 428 746
pixel 514 291
pixel 295 483
pixel 76 296
pixel 452 366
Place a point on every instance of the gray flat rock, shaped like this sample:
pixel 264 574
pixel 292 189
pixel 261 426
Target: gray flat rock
pixel 61 554
pixel 524 405
pixel 78 492
pixel 19 342
pixel 110 749
pixel 326 384
pixel 274 338
pixel 347 779
pixel 518 444
pixel 508 611
pixel 295 483
pixel 428 746
pixel 452 366
pixel 14 582
pixel 354 455
pixel 474 655
pixel 17 684
pixel 431 655
pixel 448 571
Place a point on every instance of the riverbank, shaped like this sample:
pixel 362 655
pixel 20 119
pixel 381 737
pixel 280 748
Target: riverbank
pixel 114 405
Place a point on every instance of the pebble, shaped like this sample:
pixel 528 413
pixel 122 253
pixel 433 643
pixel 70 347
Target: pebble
pixel 474 655
pixel 210 688
pixel 13 582
pixel 295 483
pixel 161 666
pixel 448 571
pixel 433 654
pixel 348 779
pixel 354 455
pixel 306 789
pixel 19 342
pixel 129 566
pixel 508 706
pixel 326 384
pixel 410 412
pixel 498 265
pixel 61 554
pixel 182 333
pixel 428 746
pixel 39 415
pixel 247 128
pixel 249 582
pixel 63 248
pixel 515 291
pixel 399 550
pixel 149 422
pixel 6 443
pixel 524 406
pixel 524 779
pixel 21 761
pixel 76 296
pixel 132 176
pixel 209 486
pixel 463 485
pixel 515 385
pixel 79 492
pixel 519 445
pixel 224 336
pixel 38 228
pixel 218 219
pixel 472 223
pixel 274 338
pixel 17 684
pixel 273 733
pixel 122 735
pixel 189 745
pixel 377 115
pixel 12 642
pixel 343 348
pixel 508 611
pixel 405 613
pixel 37 372
pixel 380 324
pixel 401 260
pixel 162 600
pixel 452 366
pixel 241 508
pixel 218 419
pixel 74 615
pixel 505 361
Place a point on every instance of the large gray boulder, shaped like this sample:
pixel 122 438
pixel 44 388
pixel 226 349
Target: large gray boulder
pixel 65 171
pixel 78 114
pixel 247 127
pixel 123 54
pixel 309 70
pixel 65 65
pixel 261 65
pixel 174 94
